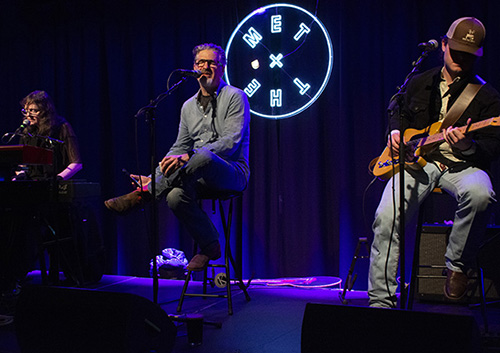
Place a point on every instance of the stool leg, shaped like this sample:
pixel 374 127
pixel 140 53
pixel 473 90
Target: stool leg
pixel 239 238
pixel 483 299
pixel 237 265
pixel 184 288
pixel 227 250
pixel 228 286
pixel 205 280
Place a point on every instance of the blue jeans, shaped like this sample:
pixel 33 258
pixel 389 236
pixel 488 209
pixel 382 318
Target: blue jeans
pixel 474 193
pixel 205 175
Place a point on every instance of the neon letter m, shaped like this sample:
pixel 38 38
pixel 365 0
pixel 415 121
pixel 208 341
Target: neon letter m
pixel 252 37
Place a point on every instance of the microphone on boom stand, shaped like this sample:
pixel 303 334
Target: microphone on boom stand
pixel 190 73
pixel 23 126
pixel 430 45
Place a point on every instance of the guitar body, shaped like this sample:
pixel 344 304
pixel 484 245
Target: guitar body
pixel 385 166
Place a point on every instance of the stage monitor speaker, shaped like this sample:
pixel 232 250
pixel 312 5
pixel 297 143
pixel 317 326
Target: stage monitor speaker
pixel 334 328
pixel 51 319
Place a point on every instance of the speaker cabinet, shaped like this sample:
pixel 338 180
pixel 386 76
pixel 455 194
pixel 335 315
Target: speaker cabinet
pixel 334 328
pixel 50 319
pixel 431 275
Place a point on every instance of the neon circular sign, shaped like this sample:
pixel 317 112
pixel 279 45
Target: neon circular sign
pixel 282 56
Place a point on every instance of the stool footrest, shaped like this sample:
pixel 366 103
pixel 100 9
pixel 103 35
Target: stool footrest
pixel 205 295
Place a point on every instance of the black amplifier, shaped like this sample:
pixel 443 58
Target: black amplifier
pixel 431 274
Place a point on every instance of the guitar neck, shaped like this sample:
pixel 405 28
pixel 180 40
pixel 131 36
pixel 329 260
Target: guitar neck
pixel 439 137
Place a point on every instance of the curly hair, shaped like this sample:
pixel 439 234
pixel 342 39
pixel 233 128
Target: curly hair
pixel 48 117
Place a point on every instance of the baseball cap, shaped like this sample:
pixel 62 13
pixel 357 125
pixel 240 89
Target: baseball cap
pixel 467 34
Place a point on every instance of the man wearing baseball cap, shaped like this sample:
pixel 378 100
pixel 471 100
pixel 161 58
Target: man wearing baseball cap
pixel 467 34
pixel 458 165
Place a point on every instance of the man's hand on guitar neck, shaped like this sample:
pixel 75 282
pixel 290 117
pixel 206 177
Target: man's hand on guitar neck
pixel 457 139
pixel 393 144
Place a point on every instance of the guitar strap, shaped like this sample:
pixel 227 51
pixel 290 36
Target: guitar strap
pixel 462 102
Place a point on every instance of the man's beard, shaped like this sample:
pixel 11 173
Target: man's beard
pixel 206 81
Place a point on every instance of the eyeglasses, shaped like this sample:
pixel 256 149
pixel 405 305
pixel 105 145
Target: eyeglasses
pixel 211 63
pixel 28 111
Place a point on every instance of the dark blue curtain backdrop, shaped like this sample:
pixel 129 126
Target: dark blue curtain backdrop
pixel 307 202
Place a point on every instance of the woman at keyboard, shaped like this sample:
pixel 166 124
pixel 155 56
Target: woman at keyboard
pixel 48 130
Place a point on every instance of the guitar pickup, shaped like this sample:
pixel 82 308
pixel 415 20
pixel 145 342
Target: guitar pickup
pixel 388 163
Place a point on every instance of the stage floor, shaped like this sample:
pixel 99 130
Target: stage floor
pixel 270 322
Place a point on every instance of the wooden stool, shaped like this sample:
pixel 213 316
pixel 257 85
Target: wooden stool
pixel 223 279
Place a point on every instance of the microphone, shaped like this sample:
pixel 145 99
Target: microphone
pixel 191 73
pixel 430 45
pixel 24 125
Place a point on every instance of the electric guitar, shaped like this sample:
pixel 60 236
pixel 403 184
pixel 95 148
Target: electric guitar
pixel 421 141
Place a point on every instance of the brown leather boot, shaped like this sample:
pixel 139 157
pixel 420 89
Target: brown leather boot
pixel 125 203
pixel 200 261
pixel 456 285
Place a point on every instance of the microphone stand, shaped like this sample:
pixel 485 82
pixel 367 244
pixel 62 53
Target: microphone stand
pixel 149 113
pixel 52 222
pixel 14 134
pixel 55 255
pixel 397 102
